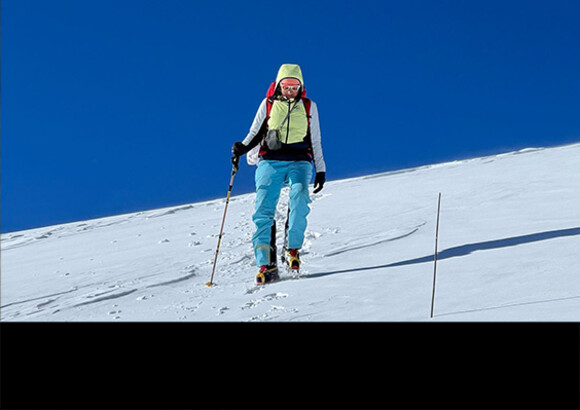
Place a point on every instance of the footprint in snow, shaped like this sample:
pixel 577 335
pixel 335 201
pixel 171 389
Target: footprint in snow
pixel 312 235
pixel 272 296
pixel 115 313
pixel 144 297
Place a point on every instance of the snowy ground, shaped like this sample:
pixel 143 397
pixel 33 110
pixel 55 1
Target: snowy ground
pixel 509 247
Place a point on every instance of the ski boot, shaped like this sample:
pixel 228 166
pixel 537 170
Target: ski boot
pixel 267 274
pixel 292 259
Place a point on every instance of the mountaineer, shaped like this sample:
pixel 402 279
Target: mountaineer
pixel 285 143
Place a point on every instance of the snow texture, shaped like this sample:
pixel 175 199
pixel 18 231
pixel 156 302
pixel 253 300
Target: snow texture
pixel 509 250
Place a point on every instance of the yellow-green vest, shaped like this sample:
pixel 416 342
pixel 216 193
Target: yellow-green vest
pixel 296 126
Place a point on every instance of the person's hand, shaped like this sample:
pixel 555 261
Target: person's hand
pixel 319 181
pixel 239 149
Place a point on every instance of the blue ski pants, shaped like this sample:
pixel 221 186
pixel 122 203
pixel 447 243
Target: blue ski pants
pixel 270 178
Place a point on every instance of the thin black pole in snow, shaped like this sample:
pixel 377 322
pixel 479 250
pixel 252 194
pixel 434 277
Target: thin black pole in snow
pixel 435 264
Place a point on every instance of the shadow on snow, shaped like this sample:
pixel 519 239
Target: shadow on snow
pixel 464 250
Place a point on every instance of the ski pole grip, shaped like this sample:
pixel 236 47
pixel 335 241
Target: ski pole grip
pixel 235 164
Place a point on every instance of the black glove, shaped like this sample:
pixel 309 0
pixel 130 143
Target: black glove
pixel 239 149
pixel 319 181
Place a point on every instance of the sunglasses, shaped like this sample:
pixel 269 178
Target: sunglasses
pixel 290 87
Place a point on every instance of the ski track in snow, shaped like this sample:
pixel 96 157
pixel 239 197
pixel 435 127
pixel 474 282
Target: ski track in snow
pixel 376 239
pixel 510 230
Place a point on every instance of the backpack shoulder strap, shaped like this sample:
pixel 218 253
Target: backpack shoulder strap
pixel 307 105
pixel 270 98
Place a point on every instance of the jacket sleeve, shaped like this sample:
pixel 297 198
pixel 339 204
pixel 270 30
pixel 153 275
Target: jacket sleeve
pixel 316 139
pixel 253 137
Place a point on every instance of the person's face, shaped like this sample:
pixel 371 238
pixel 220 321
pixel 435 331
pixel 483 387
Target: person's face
pixel 290 87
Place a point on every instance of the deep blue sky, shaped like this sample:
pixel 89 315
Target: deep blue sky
pixel 116 106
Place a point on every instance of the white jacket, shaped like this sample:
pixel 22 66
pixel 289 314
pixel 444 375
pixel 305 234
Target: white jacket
pixel 253 154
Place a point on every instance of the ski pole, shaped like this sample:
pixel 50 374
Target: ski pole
pixel 235 162
pixel 435 267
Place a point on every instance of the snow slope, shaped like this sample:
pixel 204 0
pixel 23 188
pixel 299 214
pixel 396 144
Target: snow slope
pixel 509 245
